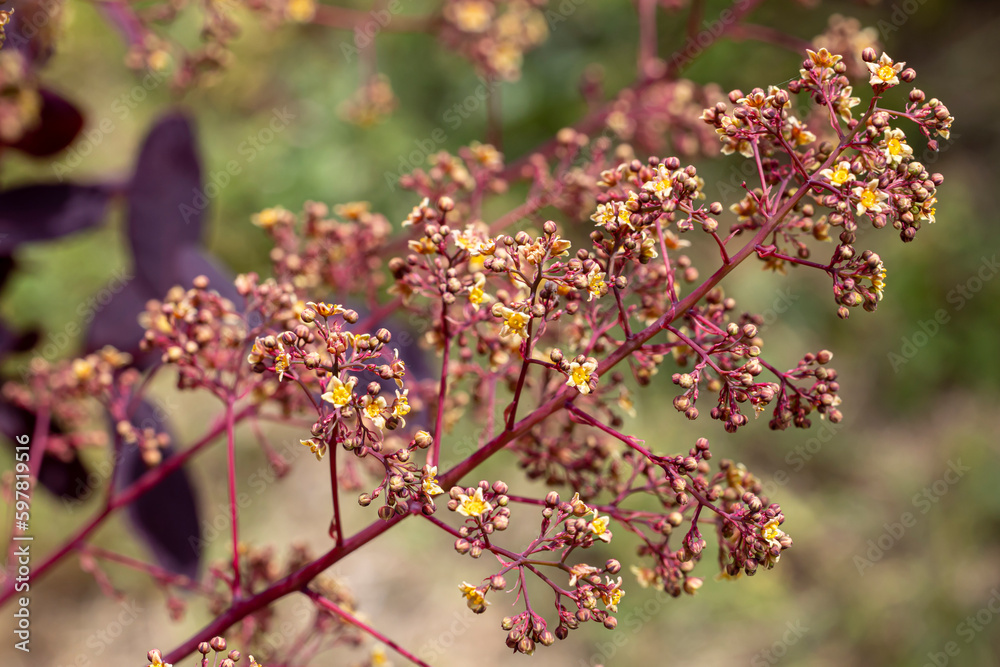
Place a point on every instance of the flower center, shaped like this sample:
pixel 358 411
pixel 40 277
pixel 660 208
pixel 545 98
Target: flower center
pixel 886 72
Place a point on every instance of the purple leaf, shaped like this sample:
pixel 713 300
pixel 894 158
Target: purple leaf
pixel 49 210
pixel 164 199
pixel 117 322
pixel 59 123
pixel 65 479
pixel 166 516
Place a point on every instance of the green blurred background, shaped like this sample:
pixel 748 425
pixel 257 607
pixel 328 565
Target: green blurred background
pixel 906 423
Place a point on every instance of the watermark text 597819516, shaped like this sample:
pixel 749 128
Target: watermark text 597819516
pixel 19 562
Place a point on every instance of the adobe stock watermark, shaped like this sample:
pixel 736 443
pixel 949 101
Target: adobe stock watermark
pixel 923 501
pixel 900 14
pixel 58 341
pixel 99 642
pixel 364 32
pixel 803 453
pixel 455 115
pixel 967 629
pixel 959 296
pixel 122 106
pixel 776 651
pixel 104 469
pixel 711 30
pixel 248 149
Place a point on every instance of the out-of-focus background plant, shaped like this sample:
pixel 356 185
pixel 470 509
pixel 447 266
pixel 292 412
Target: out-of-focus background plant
pixel 895 510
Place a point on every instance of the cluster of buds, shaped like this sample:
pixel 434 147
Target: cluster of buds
pixel 485 510
pixel 494 34
pixel 198 331
pixel 322 355
pixel 371 103
pixel 476 168
pixel 220 656
pixel 403 482
pixel 70 391
pixel 340 252
pixel 151 47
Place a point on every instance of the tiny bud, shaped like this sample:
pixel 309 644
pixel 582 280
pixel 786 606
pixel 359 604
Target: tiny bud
pixel 549 227
pixel 218 644
pixel 692 584
pixel 869 55
pixel 610 622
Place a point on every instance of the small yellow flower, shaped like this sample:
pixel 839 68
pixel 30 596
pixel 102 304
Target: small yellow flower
pixel 595 283
pixel 896 149
pixel 581 571
pixel 401 407
pixel 878 281
pixel 515 322
pixel 870 198
pixel 340 393
pixel 269 217
pixel 798 134
pixel 477 292
pixel 373 407
pixel 928 210
pixel 845 102
pixel 579 375
pixel 599 527
pixel 474 597
pixel 614 595
pixel 883 73
pixel 316 448
pixel 646 576
pixel 625 402
pixel 838 175
pixel 487 155
pixel 157 660
pixel 300 11
pixel 470 15
pixel 429 484
pixel 474 505
pixel 282 362
pixel 579 507
pixel 82 369
pixel 771 533
pixel 672 242
pixel 661 185
pixel 379 657
pixel 417 213
pixel 424 245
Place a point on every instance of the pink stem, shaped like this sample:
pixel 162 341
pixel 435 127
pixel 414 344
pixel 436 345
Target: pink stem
pixel 355 621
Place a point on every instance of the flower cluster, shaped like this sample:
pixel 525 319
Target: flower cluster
pixel 494 34
pixel 542 330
